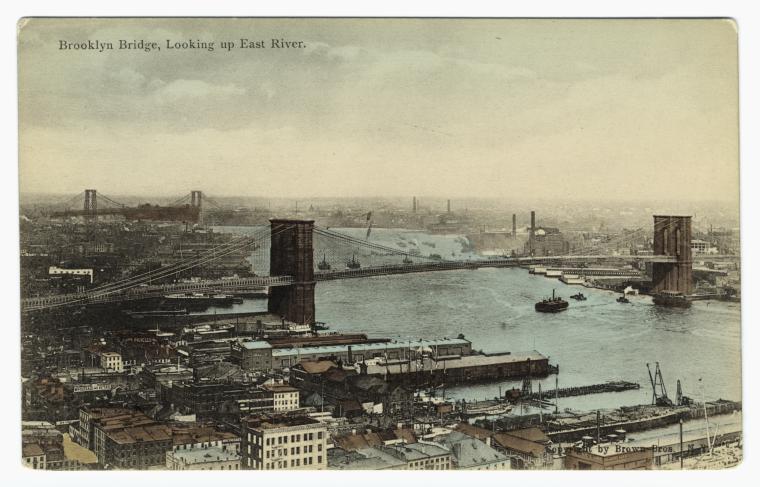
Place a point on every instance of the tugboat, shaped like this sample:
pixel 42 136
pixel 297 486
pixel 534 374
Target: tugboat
pixel 407 260
pixel 671 298
pixel 579 297
pixel 553 305
pixel 324 265
pixel 622 299
pixel 353 263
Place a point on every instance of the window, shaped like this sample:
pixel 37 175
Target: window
pixel 319 459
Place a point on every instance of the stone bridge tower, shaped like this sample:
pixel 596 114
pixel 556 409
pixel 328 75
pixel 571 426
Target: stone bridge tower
pixel 672 237
pixel 292 254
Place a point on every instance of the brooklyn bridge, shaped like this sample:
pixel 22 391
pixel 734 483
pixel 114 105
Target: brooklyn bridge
pixel 300 254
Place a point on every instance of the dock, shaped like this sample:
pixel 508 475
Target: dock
pixel 612 386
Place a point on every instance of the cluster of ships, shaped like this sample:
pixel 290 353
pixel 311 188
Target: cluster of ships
pixel 555 304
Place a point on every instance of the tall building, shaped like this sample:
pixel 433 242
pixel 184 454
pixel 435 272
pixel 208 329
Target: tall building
pixel 282 442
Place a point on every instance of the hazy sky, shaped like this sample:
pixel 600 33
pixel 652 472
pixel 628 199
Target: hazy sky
pixel 493 108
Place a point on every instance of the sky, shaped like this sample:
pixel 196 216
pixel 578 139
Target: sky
pixel 609 109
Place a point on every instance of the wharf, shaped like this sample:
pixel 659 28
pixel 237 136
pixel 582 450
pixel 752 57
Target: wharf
pixel 570 427
pixel 612 386
pixel 632 419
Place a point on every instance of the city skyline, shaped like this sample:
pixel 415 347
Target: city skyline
pixel 497 108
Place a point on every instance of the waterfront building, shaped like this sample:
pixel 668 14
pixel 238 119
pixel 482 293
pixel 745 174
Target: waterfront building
pixel 544 241
pixel 262 356
pixel 350 391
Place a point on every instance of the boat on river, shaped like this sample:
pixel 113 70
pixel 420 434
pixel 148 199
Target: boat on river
pixel 555 304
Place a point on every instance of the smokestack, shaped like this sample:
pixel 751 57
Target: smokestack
pixel 514 225
pixel 532 222
pixel 448 206
pixel 414 204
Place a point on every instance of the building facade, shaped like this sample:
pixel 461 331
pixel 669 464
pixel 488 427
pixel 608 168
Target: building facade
pixel 281 442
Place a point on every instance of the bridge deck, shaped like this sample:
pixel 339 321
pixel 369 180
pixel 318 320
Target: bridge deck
pixel 150 291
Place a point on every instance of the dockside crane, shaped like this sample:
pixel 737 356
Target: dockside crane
pixel 661 398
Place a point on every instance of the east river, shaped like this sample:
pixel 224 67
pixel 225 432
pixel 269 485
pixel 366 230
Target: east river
pixel 592 342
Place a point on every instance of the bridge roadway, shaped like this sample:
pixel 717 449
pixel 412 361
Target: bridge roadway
pixel 145 291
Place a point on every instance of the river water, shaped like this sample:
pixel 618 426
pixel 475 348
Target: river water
pixel 593 341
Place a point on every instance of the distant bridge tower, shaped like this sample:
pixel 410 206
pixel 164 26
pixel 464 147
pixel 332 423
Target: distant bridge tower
pixel 672 237
pixel 196 201
pixel 292 254
pixel 91 204
pixel 196 197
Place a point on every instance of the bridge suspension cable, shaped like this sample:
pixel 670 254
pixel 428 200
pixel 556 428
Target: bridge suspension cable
pixel 342 237
pixel 67 202
pixel 136 281
pixel 101 196
pixel 180 200
pixel 209 256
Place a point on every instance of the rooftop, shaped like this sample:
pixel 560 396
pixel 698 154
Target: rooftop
pixel 471 452
pixel 279 388
pixel 264 422
pixel 255 344
pixel 206 454
pixel 187 434
pixel 363 347
pixel 135 434
pixel 416 451
pixel 522 445
pixel 31 450
pixel 363 459
pixel 125 420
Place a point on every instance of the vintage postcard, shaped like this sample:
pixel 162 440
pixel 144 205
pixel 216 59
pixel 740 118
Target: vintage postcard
pixel 379 244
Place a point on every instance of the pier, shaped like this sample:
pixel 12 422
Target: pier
pixel 613 386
